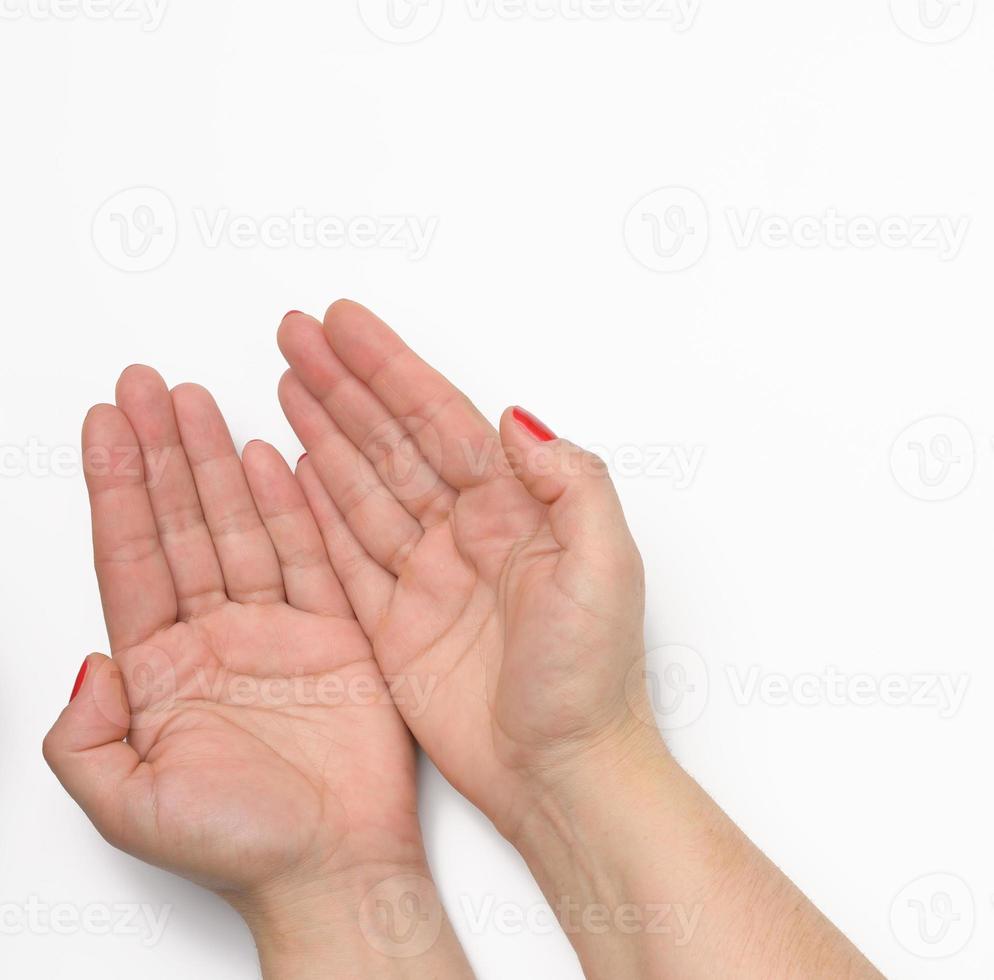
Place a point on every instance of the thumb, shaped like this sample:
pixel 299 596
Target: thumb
pixel 87 752
pixel 584 510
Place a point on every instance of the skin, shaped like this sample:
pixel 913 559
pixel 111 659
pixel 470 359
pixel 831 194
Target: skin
pixel 491 569
pixel 499 592
pixel 499 566
pixel 216 586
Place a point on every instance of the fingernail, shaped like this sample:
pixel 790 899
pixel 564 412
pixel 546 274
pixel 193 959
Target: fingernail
pixel 302 458
pixel 533 426
pixel 291 313
pixel 80 677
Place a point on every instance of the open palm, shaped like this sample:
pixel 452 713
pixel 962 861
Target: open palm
pixel 494 569
pixel 261 739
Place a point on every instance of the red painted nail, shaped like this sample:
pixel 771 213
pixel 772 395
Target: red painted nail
pixel 80 677
pixel 533 426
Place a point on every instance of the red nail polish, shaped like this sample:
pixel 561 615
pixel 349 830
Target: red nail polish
pixel 533 426
pixel 80 677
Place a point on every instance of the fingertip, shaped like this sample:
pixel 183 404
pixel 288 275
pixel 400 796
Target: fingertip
pixel 261 457
pixel 255 450
pixel 139 381
pixel 362 340
pixel 99 412
pixel 189 389
pixel 346 319
pixel 342 308
pixel 190 398
pixel 106 425
pixel 101 407
pixel 302 342
pixel 287 331
pixel 518 423
pixel 80 679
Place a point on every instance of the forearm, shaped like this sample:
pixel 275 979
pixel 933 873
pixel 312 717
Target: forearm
pixel 389 924
pixel 651 879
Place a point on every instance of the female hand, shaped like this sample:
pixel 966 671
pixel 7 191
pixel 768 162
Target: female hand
pixel 264 756
pixel 496 570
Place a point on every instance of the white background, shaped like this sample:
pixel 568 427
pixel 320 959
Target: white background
pixel 815 534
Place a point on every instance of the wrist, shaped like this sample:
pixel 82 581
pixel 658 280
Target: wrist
pixel 378 920
pixel 649 877
pixel 607 844
pixel 588 786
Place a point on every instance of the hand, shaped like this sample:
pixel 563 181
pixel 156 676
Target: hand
pixel 264 757
pixel 497 571
pixel 494 569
